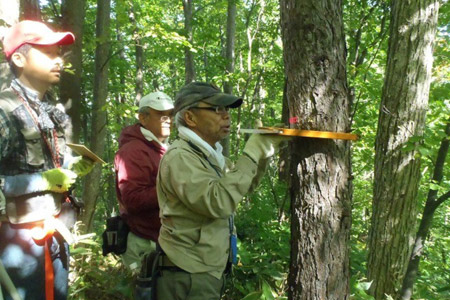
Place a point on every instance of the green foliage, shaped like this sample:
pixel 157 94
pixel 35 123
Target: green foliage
pixel 93 276
pixel 263 232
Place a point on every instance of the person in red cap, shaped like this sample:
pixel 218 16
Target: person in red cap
pixel 35 170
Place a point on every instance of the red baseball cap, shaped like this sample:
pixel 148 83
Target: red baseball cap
pixel 34 33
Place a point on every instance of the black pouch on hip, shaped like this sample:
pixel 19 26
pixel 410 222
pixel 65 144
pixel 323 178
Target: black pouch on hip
pixel 115 236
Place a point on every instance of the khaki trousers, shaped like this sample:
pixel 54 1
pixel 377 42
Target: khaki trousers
pixel 136 248
pixel 179 285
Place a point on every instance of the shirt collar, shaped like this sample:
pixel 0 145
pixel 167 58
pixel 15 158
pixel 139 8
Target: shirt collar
pixel 24 91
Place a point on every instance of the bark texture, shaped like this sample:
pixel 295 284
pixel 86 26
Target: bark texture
pixel 316 91
pixel 401 116
pixel 73 13
pixel 92 183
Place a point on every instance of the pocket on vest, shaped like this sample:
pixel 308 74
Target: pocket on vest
pixel 34 154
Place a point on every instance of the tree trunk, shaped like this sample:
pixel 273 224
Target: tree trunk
pixel 431 205
pixel 30 10
pixel 188 55
pixel 402 116
pixel 229 58
pixel 314 58
pixel 98 136
pixel 73 12
pixel 9 15
pixel 139 89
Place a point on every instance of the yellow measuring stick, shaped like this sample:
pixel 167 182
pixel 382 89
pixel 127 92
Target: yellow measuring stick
pixel 303 133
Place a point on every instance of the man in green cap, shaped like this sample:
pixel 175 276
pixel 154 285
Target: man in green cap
pixel 198 192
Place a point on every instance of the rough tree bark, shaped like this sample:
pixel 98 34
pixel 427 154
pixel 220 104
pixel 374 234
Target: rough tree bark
pixel 315 69
pixel 188 55
pixel 98 136
pixel 402 115
pixel 73 12
pixel 433 202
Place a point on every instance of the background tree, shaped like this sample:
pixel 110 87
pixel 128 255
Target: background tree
pixel 433 202
pixel 98 136
pixel 72 19
pixel 30 10
pixel 229 58
pixel 320 187
pixel 188 8
pixel 401 117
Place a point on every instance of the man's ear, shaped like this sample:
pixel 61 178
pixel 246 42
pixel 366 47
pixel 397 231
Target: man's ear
pixel 18 59
pixel 190 119
pixel 141 117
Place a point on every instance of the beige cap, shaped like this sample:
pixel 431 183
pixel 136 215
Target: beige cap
pixel 157 100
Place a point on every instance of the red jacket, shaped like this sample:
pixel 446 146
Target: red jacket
pixel 136 166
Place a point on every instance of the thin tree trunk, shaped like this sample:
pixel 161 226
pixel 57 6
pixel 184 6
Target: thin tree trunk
pixel 73 12
pixel 314 58
pixel 30 10
pixel 402 116
pixel 188 55
pixel 92 183
pixel 229 58
pixel 433 202
pixel 139 89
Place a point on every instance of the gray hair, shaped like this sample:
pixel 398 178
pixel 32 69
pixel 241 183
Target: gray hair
pixel 179 116
pixel 144 110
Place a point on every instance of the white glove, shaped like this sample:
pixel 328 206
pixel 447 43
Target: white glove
pixel 264 146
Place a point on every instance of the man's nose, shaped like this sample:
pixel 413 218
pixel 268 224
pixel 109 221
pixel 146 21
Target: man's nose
pixel 59 61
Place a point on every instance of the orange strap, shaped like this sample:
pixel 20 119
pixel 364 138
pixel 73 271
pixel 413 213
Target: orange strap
pixel 49 274
pixel 313 133
pixel 44 232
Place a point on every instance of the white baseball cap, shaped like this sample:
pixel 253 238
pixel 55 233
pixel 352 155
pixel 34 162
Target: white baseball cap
pixel 157 100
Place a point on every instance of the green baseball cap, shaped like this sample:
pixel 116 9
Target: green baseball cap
pixel 206 92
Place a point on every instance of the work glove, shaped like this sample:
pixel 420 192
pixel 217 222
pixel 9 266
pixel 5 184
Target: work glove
pixel 264 146
pixel 58 180
pixel 81 165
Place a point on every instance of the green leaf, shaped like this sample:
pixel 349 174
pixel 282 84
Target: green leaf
pixel 253 296
pixel 267 291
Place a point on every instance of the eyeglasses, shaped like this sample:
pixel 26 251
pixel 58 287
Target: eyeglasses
pixel 165 119
pixel 220 110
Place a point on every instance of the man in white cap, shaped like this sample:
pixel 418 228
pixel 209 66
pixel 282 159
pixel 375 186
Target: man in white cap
pixel 141 147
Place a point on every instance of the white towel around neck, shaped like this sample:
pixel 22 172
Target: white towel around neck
pixel 151 137
pixel 188 134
